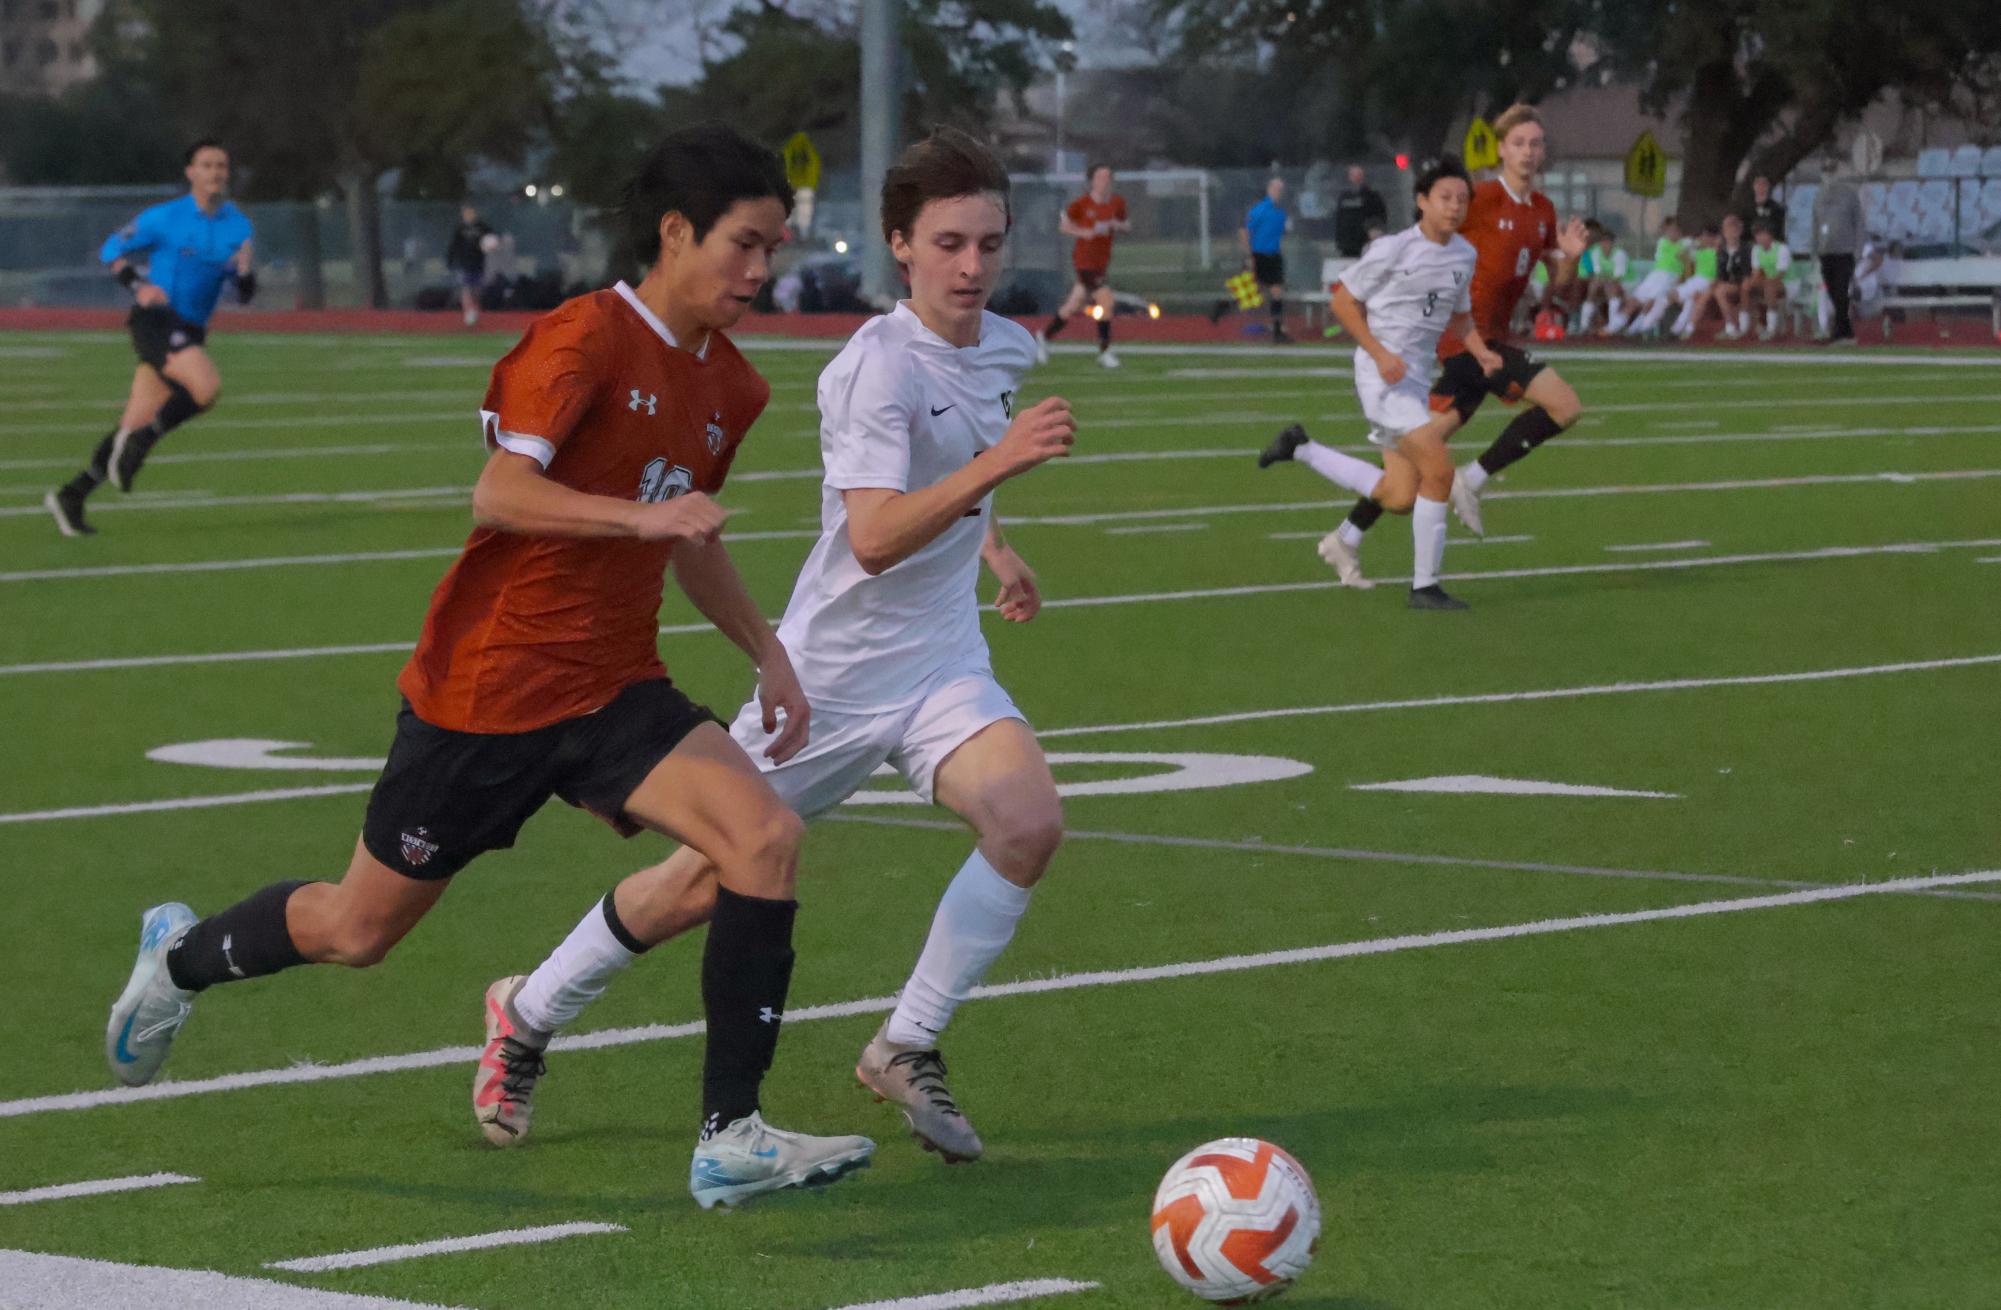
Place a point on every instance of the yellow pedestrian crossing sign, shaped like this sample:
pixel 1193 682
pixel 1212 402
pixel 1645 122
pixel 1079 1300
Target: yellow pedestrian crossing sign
pixel 1483 148
pixel 802 163
pixel 1646 167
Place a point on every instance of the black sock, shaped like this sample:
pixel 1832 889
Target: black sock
pixel 618 928
pixel 1528 431
pixel 94 474
pixel 746 972
pixel 1056 323
pixel 1365 514
pixel 1105 333
pixel 247 940
pixel 178 408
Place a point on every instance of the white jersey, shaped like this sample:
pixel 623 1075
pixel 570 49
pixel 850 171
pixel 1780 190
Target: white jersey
pixel 1412 286
pixel 901 408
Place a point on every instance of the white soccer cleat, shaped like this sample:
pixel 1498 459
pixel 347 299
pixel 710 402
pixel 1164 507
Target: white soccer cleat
pixel 1108 358
pixel 151 1009
pixel 1345 560
pixel 913 1077
pixel 1041 348
pixel 503 1083
pixel 1466 503
pixel 750 1158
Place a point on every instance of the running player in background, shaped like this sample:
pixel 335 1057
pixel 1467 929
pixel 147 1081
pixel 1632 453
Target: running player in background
pixel 1512 226
pixel 538 671
pixel 1406 293
pixel 917 430
pixel 1095 219
pixel 192 246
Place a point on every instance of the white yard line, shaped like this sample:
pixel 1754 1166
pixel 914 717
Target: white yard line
pixel 1548 693
pixel 1075 602
pixel 1533 493
pixel 29 1281
pixel 463 1055
pixel 1457 542
pixel 382 1255
pixel 96 1187
pixel 226 565
pixel 469 417
pixel 1138 528
pixel 991 1294
pixel 188 803
pixel 238 456
pixel 1659 545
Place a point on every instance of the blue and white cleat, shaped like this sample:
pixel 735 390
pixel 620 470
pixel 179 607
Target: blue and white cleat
pixel 750 1158
pixel 151 1009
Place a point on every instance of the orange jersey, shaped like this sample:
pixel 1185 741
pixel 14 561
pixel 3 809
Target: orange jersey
pixel 1095 252
pixel 525 631
pixel 1510 235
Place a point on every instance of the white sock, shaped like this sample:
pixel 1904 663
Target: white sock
pixel 1772 320
pixel 1585 315
pixel 575 974
pixel 1475 476
pixel 1743 321
pixel 1617 323
pixel 1357 475
pixel 1427 539
pixel 1349 534
pixel 975 921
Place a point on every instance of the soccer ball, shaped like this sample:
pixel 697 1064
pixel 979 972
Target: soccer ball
pixel 1235 1221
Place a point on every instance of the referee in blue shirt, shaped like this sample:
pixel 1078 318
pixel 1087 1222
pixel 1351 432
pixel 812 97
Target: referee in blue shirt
pixel 1263 239
pixel 191 247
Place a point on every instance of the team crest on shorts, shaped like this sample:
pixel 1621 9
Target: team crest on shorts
pixel 418 849
pixel 715 434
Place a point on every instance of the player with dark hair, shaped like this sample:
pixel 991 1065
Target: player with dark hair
pixel 1408 292
pixel 1095 219
pixel 1512 226
pixel 538 674
pixel 192 246
pixel 917 430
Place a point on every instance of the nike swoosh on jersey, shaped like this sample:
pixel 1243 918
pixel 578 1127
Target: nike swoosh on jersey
pixel 936 412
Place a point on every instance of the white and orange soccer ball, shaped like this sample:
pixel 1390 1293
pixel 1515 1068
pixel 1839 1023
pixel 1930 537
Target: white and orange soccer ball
pixel 1235 1220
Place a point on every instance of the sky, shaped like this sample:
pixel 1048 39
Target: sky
pixel 660 52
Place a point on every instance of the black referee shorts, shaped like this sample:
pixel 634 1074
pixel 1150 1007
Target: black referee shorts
pixel 157 332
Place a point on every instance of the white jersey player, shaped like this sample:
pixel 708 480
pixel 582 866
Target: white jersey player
pixel 917 430
pixel 1406 292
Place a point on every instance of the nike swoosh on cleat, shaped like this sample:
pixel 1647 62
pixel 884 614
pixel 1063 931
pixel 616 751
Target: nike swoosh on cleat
pixel 125 1056
pixel 768 1153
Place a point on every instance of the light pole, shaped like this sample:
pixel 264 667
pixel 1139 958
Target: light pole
pixel 1068 48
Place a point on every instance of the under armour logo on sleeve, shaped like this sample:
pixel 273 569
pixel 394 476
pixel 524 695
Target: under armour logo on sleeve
pixel 637 400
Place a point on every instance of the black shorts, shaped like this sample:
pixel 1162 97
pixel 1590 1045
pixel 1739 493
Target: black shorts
pixel 1092 278
pixel 1462 386
pixel 157 332
pixel 447 797
pixel 1269 270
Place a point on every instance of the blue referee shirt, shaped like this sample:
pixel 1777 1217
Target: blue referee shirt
pixel 189 252
pixel 1266 224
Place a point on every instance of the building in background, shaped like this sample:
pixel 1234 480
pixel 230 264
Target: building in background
pixel 45 45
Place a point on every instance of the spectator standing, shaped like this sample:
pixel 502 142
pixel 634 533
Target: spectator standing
pixel 1837 235
pixel 1360 216
pixel 465 256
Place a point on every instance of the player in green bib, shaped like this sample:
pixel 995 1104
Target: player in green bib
pixel 1601 270
pixel 1650 302
pixel 1698 292
pixel 1771 260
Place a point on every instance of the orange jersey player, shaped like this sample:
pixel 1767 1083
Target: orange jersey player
pixel 538 675
pixel 1095 219
pixel 1512 227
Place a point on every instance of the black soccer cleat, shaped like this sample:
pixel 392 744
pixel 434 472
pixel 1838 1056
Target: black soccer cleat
pixel 67 508
pixel 1433 597
pixel 1282 446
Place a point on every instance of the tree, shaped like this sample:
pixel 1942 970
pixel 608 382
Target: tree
pixel 340 92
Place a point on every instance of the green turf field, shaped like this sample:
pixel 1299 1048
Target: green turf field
pixel 1765 590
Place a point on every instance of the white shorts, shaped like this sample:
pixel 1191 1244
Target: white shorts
pixel 846 749
pixel 1392 408
pixel 1694 287
pixel 1655 285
